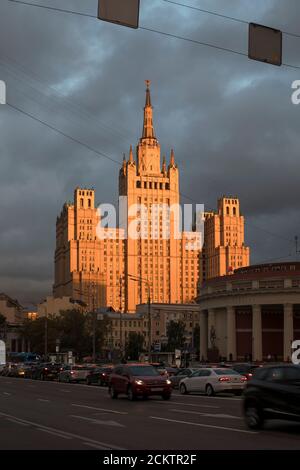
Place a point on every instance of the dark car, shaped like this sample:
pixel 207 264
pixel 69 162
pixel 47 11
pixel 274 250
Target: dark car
pixel 272 393
pixel 245 369
pixel 138 380
pixel 179 375
pixel 99 376
pixel 46 371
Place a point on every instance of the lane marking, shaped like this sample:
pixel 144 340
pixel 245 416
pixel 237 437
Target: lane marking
pixel 57 434
pixel 201 425
pixel 66 391
pixel 93 445
pixel 76 436
pixel 43 400
pixel 188 404
pixel 98 421
pixel 16 421
pixel 100 409
pixel 7 394
pixel 208 415
pixel 208 398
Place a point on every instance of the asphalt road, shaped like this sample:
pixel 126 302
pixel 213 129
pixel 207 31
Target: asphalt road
pixel 50 415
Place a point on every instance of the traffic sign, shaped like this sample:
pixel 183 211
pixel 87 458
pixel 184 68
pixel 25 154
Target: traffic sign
pixel 265 44
pixel 122 12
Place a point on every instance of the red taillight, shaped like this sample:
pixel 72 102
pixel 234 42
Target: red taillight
pixel 244 379
pixel 71 372
pixel 250 375
pixel 46 368
pixel 224 379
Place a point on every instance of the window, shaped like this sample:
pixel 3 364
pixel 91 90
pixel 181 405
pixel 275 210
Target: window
pixel 227 210
pixel 234 211
pixel 89 203
pixel 81 202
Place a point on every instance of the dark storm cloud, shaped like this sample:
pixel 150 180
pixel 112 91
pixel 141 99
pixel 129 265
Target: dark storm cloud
pixel 230 120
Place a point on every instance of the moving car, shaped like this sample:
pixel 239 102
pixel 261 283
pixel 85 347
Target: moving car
pixel 181 374
pixel 272 393
pixel 212 381
pixel 73 374
pixel 136 380
pixel 46 371
pixel 245 369
pixel 99 376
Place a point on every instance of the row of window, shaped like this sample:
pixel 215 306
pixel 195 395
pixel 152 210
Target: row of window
pixel 152 185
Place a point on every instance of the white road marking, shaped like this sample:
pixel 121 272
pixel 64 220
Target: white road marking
pixel 187 404
pixel 44 400
pixel 76 436
pixel 16 421
pixel 98 421
pixel 7 382
pixel 208 398
pixel 57 434
pixel 66 391
pixel 94 446
pixel 7 394
pixel 100 409
pixel 222 428
pixel 208 415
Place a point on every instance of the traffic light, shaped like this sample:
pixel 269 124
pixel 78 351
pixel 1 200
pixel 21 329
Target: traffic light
pixel 265 44
pixel 122 12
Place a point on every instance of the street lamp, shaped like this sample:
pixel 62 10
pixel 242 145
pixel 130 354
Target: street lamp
pixel 146 281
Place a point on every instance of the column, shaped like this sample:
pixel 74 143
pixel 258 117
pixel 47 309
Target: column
pixel 288 332
pixel 203 335
pixel 231 334
pixel 211 328
pixel 256 333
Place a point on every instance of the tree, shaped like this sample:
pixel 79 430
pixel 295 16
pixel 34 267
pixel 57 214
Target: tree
pixel 134 345
pixel 3 326
pixel 176 335
pixel 33 331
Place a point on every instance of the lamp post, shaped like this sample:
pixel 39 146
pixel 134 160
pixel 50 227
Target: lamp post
pixel 146 281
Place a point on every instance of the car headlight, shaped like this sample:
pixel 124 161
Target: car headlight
pixel 168 382
pixel 139 382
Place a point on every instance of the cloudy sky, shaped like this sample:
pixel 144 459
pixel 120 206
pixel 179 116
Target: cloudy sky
pixel 229 119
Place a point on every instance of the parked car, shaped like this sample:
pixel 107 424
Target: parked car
pixel 46 371
pixel 181 374
pixel 272 393
pixel 245 369
pixel 212 381
pixel 74 374
pixel 99 376
pixel 136 380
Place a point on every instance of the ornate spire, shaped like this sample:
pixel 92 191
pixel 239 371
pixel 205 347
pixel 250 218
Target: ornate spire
pixel 148 129
pixel 172 158
pixel 131 155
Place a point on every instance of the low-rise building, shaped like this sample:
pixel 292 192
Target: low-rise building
pixel 252 314
pixel 55 305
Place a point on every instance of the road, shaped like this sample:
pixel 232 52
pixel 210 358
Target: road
pixel 51 415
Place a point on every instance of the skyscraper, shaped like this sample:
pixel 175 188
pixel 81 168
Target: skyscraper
pixel 118 269
pixel 224 240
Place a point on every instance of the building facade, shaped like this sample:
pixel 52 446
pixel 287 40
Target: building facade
pixel 109 266
pixel 252 314
pixel 224 241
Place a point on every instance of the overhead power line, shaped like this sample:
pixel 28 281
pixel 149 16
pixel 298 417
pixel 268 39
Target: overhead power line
pixel 163 33
pixel 64 134
pixel 104 155
pixel 220 15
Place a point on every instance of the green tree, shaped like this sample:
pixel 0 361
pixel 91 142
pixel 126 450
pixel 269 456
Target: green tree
pixel 33 331
pixel 175 334
pixel 134 345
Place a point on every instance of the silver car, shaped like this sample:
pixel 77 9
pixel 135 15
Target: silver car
pixel 74 374
pixel 181 374
pixel 212 381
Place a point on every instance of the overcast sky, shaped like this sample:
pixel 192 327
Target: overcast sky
pixel 230 120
